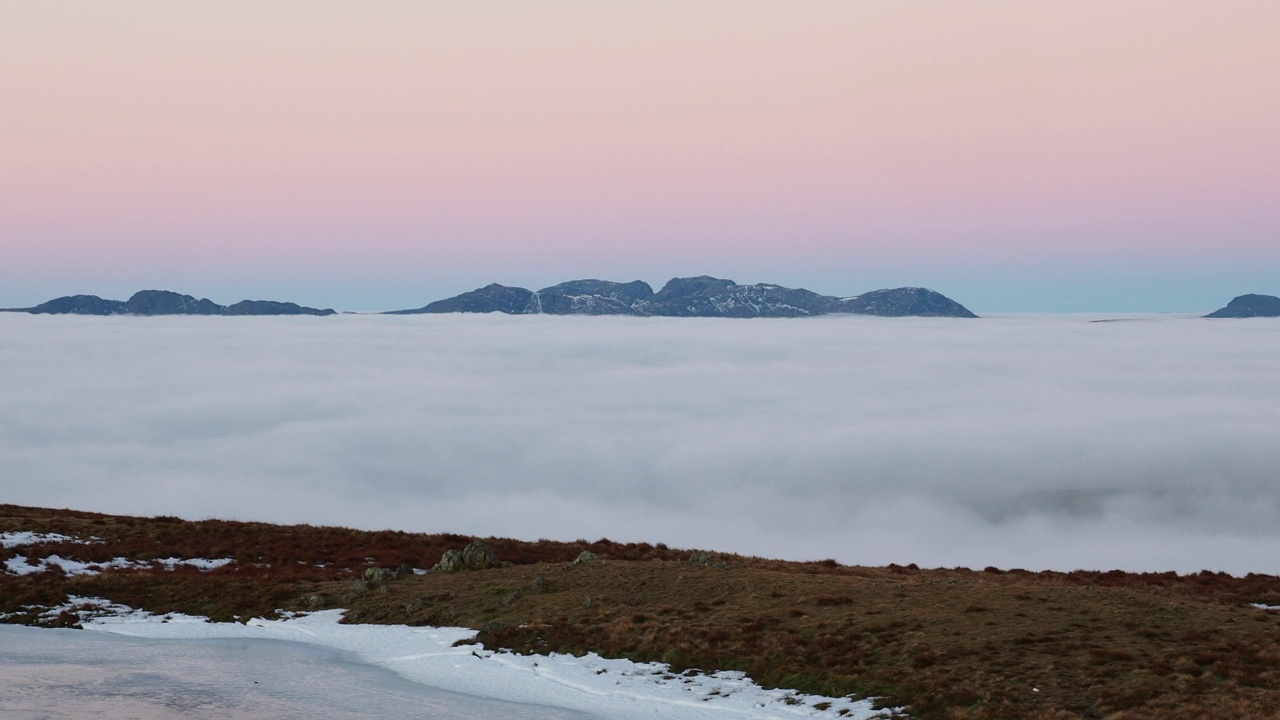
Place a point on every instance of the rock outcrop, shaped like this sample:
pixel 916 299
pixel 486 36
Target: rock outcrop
pixel 476 556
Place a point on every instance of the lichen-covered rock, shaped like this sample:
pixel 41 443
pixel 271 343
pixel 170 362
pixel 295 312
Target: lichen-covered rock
pixel 699 558
pixel 379 575
pixel 450 561
pixel 476 556
pixel 585 556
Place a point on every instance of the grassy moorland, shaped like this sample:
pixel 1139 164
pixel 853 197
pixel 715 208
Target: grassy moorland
pixel 946 643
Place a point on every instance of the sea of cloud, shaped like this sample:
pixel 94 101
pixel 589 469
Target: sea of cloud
pixel 1148 443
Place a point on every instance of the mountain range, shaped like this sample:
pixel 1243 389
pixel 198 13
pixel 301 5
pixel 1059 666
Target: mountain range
pixel 701 296
pixel 164 302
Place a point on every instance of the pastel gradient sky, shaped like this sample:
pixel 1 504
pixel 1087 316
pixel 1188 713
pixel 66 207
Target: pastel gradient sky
pixel 1016 156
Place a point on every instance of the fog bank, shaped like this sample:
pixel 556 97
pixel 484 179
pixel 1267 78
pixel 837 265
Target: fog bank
pixel 1016 441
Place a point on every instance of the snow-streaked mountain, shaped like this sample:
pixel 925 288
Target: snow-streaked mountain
pixel 701 296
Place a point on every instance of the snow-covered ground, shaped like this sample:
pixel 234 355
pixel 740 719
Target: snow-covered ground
pixel 598 687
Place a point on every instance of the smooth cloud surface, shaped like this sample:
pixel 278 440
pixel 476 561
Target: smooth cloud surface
pixel 1036 442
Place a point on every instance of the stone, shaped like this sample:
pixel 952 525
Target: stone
pixel 379 575
pixel 450 561
pixel 585 556
pixel 476 556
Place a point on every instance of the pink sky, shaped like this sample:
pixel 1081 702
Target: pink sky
pixel 423 149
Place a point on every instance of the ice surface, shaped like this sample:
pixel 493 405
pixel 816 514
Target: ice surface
pixel 616 689
pixel 71 675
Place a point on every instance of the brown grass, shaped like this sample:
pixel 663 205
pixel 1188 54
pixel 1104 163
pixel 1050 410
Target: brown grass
pixel 952 643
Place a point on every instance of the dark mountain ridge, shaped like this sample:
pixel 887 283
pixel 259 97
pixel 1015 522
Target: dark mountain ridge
pixel 701 296
pixel 1246 306
pixel 165 302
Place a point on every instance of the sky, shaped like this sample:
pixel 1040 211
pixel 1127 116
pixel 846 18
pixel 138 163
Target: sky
pixel 1039 442
pixel 1024 157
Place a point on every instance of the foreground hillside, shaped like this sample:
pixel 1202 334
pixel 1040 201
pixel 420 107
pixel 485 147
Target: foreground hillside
pixel 945 643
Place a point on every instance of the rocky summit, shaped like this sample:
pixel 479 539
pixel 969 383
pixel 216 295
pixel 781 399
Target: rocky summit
pixel 701 296
pixel 165 302
pixel 1247 306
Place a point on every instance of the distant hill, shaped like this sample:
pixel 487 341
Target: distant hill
pixel 1249 306
pixel 701 296
pixel 164 302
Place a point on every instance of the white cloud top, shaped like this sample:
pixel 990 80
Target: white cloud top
pixel 1036 442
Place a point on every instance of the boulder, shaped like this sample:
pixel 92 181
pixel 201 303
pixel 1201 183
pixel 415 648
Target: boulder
pixel 476 556
pixel 379 575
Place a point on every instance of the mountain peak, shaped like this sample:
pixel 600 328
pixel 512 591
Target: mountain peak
pixel 1249 306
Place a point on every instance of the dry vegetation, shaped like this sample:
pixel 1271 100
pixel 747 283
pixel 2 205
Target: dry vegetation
pixel 946 643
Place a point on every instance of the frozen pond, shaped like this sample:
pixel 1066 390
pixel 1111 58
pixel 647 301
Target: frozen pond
pixel 52 674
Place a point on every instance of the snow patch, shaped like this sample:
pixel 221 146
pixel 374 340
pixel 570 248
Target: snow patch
pixel 23 538
pixel 22 565
pixel 199 563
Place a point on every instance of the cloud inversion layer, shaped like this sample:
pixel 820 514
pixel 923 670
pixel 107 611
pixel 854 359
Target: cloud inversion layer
pixel 1034 442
